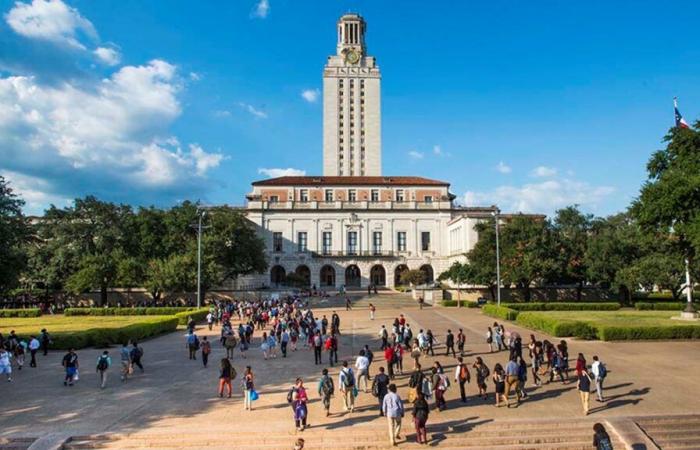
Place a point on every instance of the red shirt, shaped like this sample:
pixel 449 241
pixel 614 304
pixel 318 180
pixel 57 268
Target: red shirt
pixel 389 354
pixel 580 365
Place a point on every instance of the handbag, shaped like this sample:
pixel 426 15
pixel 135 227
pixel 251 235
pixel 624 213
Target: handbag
pixel 412 395
pixel 254 395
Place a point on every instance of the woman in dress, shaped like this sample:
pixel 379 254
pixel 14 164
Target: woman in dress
pixel 499 379
pixel 421 411
pixel 482 373
pixel 299 400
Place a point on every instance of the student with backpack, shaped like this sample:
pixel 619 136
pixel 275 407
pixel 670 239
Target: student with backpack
pixel 601 439
pixel 226 374
pixel 136 355
pixel 299 399
pixel 599 371
pixel 71 365
pixel 346 382
pixel 192 344
pixel 380 387
pixel 125 356
pixel 104 362
pixel 421 411
pixel 317 344
pixel 5 363
pixel 461 340
pixel 326 389
pixel 440 383
pixel 332 347
pixel 206 350
pixel 462 376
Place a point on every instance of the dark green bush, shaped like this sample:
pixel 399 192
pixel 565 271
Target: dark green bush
pixel 462 303
pixel 103 337
pixel 649 306
pixel 564 306
pixel 155 311
pixel 197 314
pixel 29 312
pixel 610 333
pixel 500 312
pixel 556 327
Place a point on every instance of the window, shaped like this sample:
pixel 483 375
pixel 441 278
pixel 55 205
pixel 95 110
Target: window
pixel 301 241
pixel 274 198
pixel 428 199
pixel 401 238
pixel 399 195
pixel 377 242
pixel 329 195
pixel 277 241
pixel 304 195
pixel 352 195
pixel 352 242
pixel 425 240
pixel 375 195
pixel 327 243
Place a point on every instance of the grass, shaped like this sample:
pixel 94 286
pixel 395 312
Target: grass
pixel 611 325
pixel 86 331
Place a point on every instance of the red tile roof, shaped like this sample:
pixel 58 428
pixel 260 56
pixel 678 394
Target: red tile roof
pixel 350 181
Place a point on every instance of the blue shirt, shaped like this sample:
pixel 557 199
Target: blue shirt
pixel 512 368
pixel 392 406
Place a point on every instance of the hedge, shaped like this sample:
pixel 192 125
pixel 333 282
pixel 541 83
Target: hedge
pixel 564 306
pixel 156 311
pixel 197 314
pixel 649 306
pixel 103 337
pixel 557 327
pixel 611 333
pixel 29 312
pixel 500 312
pixel 462 303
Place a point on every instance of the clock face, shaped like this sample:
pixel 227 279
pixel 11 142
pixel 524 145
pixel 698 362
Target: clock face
pixel 352 57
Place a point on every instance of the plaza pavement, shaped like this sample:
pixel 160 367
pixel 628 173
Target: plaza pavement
pixel 176 395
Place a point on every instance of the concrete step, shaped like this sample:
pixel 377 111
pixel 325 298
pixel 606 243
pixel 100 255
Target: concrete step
pixel 16 443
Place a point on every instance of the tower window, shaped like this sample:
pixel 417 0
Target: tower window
pixel 399 195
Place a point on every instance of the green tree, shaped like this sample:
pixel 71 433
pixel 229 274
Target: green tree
pixel 413 277
pixel 459 274
pixel 481 265
pixel 14 233
pixel 570 235
pixel 669 201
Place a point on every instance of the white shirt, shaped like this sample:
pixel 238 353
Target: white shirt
pixel 595 368
pixel 34 344
pixel 5 359
pixel 361 363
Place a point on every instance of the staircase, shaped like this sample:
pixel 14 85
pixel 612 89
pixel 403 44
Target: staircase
pixel 18 443
pixel 492 435
pixel 672 432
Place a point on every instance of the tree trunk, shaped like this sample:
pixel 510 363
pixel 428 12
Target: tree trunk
pixel 103 295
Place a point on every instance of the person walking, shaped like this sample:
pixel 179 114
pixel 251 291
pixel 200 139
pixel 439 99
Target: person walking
pixel 498 332
pixel 461 340
pixel 462 376
pixel 421 411
pixel 45 339
pixel 482 374
pixel 512 371
pixel 71 366
pixel 317 345
pixel 362 366
pixel 431 341
pixel 384 335
pixel 226 374
pixel 380 387
pixel 440 384
pixel 284 342
pixel 599 372
pixel 389 358
pixel 450 344
pixel 299 401
pixel 584 389
pixel 346 382
pixel 522 376
pixel 499 380
pixel 136 355
pixel 601 439
pixel 348 304
pixel 5 363
pixel 206 350
pixel 20 351
pixel 326 389
pixel 372 309
pixel 104 362
pixel 490 339
pixel 192 344
pixel 249 387
pixel 415 383
pixel 537 362
pixel 34 346
pixel 415 353
pixel 392 407
pixel 332 345
pixel 125 357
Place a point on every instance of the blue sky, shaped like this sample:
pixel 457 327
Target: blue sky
pixel 532 106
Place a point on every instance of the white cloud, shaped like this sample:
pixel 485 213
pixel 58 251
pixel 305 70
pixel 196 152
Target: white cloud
pixel 437 150
pixel 504 168
pixel 50 20
pixel 113 134
pixel 288 172
pixel 107 55
pixel 543 172
pixel 261 9
pixel 310 95
pixel 33 191
pixel 544 197
pixel 415 154
pixel 194 76
pixel 258 114
pixel 222 113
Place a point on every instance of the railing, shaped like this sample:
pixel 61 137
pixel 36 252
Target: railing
pixel 345 205
pixel 356 254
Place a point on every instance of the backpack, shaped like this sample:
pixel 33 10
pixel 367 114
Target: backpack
pixel 329 344
pixel 290 395
pixel 485 372
pixel 604 444
pixel 602 371
pixel 348 379
pixel 233 373
pixel 102 364
pixel 444 382
pixel 463 372
pixel 327 387
pixel 196 342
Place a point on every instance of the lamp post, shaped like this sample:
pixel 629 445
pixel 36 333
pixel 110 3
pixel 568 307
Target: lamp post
pixel 201 214
pixel 496 215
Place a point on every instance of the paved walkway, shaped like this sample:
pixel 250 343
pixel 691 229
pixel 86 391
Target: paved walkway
pixel 644 378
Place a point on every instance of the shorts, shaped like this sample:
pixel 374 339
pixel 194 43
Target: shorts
pixel 5 370
pixel 70 371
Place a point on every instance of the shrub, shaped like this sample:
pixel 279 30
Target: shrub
pixel 30 312
pixel 197 314
pixel 156 311
pixel 564 306
pixel 557 327
pixel 462 303
pixel 500 312
pixel 617 333
pixel 649 306
pixel 103 337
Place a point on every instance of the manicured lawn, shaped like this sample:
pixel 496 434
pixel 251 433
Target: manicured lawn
pixel 610 325
pixel 87 331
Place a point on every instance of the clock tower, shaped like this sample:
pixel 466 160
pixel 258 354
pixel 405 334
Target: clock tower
pixel 351 105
